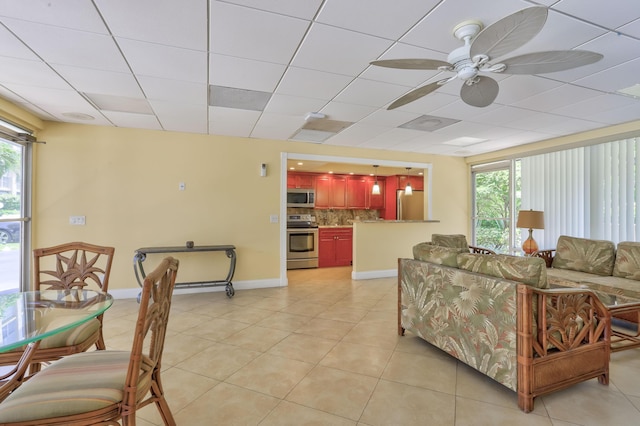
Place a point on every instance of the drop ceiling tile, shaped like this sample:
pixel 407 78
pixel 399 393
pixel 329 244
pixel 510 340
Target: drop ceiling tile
pixel 232 122
pixel 385 19
pixel 519 87
pixel 436 30
pixel 338 51
pixel 393 118
pixel 276 126
pixel 243 73
pixel 390 138
pixel 572 125
pixel 370 93
pixel 30 73
pixel 162 89
pixel 69 47
pixel 253 34
pixel 615 78
pixel 502 115
pixel 74 14
pixel 346 112
pixel 610 13
pixel 173 63
pixel 299 9
pixel 136 121
pixel 537 121
pixel 181 117
pixel 560 32
pixel 165 22
pixel 293 105
pixel 591 106
pixel 12 47
pixel 617 115
pixel 312 83
pixel 98 81
pixel 357 134
pixel 632 29
pixel 65 98
pixel 616 49
pixel 566 94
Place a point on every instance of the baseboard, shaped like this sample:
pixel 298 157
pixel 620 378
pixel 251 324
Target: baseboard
pixel 132 293
pixel 368 275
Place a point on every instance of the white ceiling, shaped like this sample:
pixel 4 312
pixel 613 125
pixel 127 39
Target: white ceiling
pixel 157 59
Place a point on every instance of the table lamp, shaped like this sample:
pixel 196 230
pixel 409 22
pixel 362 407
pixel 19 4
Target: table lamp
pixel 531 219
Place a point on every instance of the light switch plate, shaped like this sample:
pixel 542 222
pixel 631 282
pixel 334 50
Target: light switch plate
pixel 77 220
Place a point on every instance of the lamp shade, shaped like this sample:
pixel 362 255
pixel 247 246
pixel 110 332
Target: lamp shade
pixel 530 219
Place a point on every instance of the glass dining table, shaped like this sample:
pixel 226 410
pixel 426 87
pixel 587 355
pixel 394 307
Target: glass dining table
pixel 28 317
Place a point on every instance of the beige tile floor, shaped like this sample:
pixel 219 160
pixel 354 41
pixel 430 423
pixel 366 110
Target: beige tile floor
pixel 325 351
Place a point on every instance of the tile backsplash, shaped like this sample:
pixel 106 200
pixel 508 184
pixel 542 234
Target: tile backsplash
pixel 330 217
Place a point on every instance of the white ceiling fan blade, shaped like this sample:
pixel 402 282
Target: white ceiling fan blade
pixel 550 61
pixel 415 94
pixel 509 33
pixel 480 94
pixel 412 64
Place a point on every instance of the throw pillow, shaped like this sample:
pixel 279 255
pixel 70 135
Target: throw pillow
pixel 432 253
pixel 527 270
pixel 627 263
pixel 450 240
pixel 584 255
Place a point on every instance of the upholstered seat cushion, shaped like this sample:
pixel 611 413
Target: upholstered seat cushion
pixel 75 384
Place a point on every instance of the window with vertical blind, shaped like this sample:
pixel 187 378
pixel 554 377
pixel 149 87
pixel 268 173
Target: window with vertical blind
pixel 589 192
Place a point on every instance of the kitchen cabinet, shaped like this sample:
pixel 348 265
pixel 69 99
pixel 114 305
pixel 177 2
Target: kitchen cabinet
pixel 417 182
pixel 331 192
pixel 335 247
pixel 301 180
pixel 359 194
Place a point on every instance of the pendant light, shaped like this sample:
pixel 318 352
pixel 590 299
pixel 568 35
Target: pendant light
pixel 407 189
pixel 376 188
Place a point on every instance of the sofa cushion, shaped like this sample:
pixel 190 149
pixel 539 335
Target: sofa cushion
pixel 627 264
pixel 450 240
pixel 528 270
pixel 432 253
pixel 585 255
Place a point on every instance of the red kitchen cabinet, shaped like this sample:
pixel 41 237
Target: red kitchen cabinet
pixel 335 247
pixel 300 180
pixel 331 192
pixel 357 192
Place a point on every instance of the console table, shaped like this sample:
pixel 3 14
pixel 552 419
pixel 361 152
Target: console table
pixel 141 254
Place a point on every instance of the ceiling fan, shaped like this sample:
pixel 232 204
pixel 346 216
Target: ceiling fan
pixel 481 48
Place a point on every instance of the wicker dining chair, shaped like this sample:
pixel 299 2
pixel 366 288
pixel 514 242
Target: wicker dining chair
pixel 103 387
pixel 68 266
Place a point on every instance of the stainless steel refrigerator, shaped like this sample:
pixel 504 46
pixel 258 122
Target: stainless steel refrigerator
pixel 410 207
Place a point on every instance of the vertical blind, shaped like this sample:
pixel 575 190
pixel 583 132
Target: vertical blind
pixel 589 192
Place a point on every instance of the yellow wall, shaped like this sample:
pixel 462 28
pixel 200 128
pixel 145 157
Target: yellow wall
pixel 125 181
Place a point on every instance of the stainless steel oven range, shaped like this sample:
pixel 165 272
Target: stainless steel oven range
pixel 302 241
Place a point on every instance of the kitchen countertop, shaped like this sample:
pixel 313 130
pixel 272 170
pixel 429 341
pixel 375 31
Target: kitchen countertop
pixel 399 221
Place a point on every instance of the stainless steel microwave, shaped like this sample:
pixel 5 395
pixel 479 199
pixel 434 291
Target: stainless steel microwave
pixel 301 198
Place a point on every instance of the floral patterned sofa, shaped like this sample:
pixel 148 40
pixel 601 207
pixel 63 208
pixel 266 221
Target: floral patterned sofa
pixel 496 314
pixel 592 263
